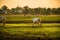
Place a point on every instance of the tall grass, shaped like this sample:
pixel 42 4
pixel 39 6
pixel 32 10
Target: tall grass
pixel 28 19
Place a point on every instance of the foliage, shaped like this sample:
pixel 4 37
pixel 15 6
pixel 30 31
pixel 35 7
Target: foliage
pixel 27 10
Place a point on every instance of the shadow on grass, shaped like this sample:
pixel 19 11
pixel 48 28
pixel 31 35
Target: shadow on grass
pixel 7 36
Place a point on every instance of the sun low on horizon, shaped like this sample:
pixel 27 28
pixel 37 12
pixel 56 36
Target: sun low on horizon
pixel 31 3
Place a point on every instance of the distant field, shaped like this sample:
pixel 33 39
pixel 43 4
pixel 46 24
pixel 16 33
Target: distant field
pixel 27 19
pixel 21 27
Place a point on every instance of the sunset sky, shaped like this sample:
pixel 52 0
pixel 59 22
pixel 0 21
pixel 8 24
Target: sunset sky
pixel 30 3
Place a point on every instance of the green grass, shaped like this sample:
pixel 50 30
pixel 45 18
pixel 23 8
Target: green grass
pixel 25 29
pixel 44 18
pixel 37 32
pixel 49 30
pixel 30 25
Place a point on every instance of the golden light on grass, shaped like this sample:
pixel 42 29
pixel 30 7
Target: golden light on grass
pixel 31 3
pixel 30 25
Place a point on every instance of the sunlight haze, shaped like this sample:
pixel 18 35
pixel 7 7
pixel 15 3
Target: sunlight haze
pixel 31 3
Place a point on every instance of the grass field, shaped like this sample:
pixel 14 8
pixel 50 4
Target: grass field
pixel 28 19
pixel 37 32
pixel 21 27
pixel 29 25
pixel 28 32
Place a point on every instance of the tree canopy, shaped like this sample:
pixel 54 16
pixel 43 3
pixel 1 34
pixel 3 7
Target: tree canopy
pixel 28 10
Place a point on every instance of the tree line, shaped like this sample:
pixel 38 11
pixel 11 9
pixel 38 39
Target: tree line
pixel 27 10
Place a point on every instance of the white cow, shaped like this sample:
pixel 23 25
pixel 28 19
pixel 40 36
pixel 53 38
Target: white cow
pixel 2 20
pixel 37 20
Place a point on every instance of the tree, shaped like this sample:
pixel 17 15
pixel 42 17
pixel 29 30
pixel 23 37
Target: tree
pixel 54 11
pixel 30 11
pixel 1 11
pixel 58 10
pixel 13 10
pixel 4 8
pixel 48 11
pixel 37 10
pixel 43 11
pixel 25 10
pixel 19 9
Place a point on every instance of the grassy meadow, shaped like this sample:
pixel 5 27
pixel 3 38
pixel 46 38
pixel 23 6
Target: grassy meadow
pixel 28 19
pixel 18 27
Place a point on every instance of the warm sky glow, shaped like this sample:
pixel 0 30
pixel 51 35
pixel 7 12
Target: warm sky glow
pixel 30 3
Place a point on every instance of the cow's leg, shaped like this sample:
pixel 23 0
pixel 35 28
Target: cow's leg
pixel 38 24
pixel 33 24
pixel 3 23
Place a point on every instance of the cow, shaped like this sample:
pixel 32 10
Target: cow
pixel 37 20
pixel 2 21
